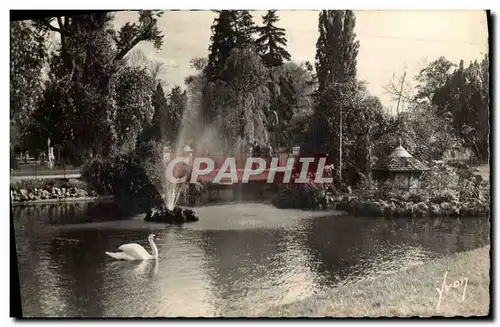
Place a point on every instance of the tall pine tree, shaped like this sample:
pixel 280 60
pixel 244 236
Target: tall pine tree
pixel 272 41
pixel 337 96
pixel 336 48
pixel 159 125
pixel 245 28
pixel 168 112
pixel 231 29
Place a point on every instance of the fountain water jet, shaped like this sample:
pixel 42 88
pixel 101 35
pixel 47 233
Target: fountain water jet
pixel 169 212
pixel 171 191
pixel 209 140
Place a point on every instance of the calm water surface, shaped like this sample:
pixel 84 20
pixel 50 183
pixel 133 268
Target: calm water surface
pixel 238 259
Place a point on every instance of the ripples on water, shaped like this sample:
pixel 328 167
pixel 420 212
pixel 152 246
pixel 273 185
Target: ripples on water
pixel 238 259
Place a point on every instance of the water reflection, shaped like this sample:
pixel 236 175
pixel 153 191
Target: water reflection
pixel 80 260
pixel 68 212
pixel 237 260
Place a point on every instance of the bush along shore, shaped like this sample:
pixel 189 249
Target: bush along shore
pixel 435 207
pixel 57 189
pixel 447 192
pixel 358 203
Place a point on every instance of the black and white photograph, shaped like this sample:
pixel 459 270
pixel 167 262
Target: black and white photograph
pixel 250 163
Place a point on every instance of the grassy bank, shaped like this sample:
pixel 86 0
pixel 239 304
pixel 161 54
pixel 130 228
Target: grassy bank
pixel 408 293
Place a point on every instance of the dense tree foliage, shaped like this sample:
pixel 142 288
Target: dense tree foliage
pixel 90 85
pixel 157 129
pixel 246 90
pixel 292 87
pixel 134 108
pixel 433 78
pixel 101 97
pixel 177 105
pixel 340 97
pixel 27 57
pixel 231 29
pixel 336 48
pixel 247 94
pixel 242 102
pixel 363 123
pixel 167 118
pixel 460 95
pixel 421 132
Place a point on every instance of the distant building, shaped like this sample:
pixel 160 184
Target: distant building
pixel 399 170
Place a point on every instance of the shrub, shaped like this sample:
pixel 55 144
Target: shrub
pixel 395 194
pixel 368 189
pixel 297 196
pixel 308 195
pixel 485 196
pixel 98 174
pixel 49 184
pixel 418 196
pixel 125 177
pixel 439 178
pixel 446 196
pixel 469 189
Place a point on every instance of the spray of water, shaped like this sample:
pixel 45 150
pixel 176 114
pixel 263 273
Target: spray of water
pixel 172 191
pixel 190 128
pixel 205 137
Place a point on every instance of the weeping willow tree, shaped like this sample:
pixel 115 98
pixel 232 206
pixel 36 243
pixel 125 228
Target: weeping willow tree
pixel 241 101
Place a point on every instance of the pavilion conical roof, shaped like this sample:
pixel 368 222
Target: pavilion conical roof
pixel 400 152
pixel 400 160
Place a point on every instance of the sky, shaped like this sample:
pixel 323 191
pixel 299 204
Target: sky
pixel 390 40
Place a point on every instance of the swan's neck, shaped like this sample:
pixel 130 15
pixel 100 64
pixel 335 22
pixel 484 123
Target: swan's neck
pixel 154 249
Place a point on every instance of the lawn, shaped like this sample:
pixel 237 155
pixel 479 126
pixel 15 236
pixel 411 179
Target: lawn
pixel 413 292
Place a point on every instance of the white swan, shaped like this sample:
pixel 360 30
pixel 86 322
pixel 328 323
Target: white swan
pixel 134 251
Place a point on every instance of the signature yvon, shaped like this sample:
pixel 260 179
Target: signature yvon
pixel 445 288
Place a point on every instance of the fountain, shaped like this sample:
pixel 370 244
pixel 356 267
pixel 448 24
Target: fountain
pixel 168 211
pixel 209 140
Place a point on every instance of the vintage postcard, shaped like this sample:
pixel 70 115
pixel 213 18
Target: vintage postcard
pixel 250 163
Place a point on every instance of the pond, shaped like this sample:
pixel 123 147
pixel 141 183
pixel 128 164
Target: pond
pixel 239 259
